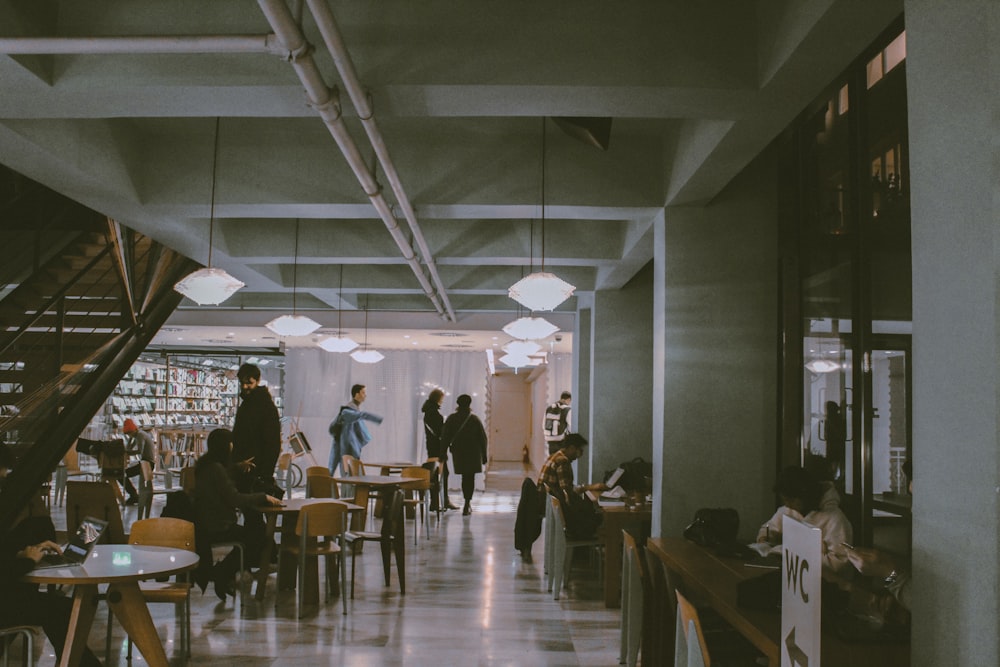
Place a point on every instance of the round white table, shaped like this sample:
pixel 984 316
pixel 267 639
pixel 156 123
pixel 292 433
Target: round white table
pixel 121 567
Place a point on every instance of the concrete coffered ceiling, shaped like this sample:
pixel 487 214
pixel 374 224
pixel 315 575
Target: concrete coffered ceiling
pixel 456 91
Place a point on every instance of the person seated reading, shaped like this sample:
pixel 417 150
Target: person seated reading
pixel 817 503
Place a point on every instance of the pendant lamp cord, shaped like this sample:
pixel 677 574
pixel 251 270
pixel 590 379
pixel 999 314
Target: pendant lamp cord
pixel 340 305
pixel 543 194
pixel 211 210
pixel 295 270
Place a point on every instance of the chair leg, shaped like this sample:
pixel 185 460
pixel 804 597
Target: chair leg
pixel 400 549
pixel 386 557
pixel 343 579
pixel 354 567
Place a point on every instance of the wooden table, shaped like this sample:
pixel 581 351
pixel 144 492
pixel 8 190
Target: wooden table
pixel 617 518
pixel 289 513
pixel 122 567
pixel 390 467
pixel 364 484
pixel 713 579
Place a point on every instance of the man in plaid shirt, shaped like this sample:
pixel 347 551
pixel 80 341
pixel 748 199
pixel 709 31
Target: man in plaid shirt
pixel 556 476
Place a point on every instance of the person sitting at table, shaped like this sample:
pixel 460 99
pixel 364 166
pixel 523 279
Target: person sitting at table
pixel 556 479
pixel 817 503
pixel 23 603
pixel 215 503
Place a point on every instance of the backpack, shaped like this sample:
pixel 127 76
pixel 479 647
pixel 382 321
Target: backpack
pixel 337 427
pixel 555 425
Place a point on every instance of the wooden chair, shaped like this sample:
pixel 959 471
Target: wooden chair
pixel 390 537
pixel 177 534
pixel 690 649
pixel 320 529
pixel 417 492
pixel 563 547
pixel 95 499
pixel 25 632
pixel 319 484
pixel 635 594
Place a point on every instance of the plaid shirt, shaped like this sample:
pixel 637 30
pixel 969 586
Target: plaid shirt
pixel 556 476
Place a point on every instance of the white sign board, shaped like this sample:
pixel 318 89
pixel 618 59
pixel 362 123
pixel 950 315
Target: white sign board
pixel 801 569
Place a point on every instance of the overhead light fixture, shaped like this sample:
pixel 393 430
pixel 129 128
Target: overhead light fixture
pixel 294 324
pixel 822 366
pixel 340 342
pixel 524 348
pixel 541 290
pixel 364 355
pixel 209 286
pixel 515 360
pixel 530 328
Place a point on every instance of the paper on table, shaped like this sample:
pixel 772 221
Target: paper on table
pixel 615 493
pixel 765 549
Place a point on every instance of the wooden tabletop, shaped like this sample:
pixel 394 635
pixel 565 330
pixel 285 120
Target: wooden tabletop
pixel 715 580
pixel 373 480
pixel 296 504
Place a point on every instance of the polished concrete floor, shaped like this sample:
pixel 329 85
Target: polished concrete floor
pixel 470 600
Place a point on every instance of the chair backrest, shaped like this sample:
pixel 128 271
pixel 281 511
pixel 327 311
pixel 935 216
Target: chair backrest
pixel 689 623
pixel 113 459
pixel 636 552
pixel 352 465
pixel 392 522
pixel 418 473
pixel 284 460
pixel 317 470
pixel 163 532
pixel 323 518
pixel 94 499
pixel 320 486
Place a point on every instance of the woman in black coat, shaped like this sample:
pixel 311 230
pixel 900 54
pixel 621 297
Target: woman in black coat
pixel 466 437
pixel 433 425
pixel 215 503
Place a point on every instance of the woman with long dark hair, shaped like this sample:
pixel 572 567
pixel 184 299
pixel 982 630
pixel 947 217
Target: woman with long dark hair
pixel 433 425
pixel 215 502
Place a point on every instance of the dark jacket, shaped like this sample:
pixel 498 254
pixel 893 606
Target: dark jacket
pixel 257 433
pixel 528 521
pixel 465 436
pixel 433 423
pixel 216 498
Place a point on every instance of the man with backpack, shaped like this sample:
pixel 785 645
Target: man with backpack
pixel 556 424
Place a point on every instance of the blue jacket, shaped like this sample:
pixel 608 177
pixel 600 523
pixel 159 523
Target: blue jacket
pixel 354 435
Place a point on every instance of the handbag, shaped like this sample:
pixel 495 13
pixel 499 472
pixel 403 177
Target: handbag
pixel 713 526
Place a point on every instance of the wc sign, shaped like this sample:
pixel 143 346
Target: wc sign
pixel 801 567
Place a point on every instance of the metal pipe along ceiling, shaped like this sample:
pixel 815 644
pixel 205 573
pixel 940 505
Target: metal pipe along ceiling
pixel 289 43
pixel 320 98
pixel 348 74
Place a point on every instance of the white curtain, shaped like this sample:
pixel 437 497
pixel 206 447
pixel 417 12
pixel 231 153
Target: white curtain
pixel 318 382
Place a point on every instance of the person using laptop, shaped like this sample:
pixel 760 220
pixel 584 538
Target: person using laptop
pixel 17 558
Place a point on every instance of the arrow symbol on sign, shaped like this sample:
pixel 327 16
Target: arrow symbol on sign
pixel 795 654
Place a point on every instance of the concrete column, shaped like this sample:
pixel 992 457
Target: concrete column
pixel 951 70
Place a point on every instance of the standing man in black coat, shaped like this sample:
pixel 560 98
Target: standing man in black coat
pixel 256 441
pixel 465 436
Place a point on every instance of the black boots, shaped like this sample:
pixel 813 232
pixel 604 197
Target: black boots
pixel 467 510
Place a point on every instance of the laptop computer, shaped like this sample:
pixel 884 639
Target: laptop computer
pixel 87 535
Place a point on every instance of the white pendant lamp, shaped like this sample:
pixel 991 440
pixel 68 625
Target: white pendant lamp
pixel 364 355
pixel 530 328
pixel 541 290
pixel 339 343
pixel 209 286
pixel 294 324
pixel 524 348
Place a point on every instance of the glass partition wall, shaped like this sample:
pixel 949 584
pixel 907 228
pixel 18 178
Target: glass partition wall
pixel 846 293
